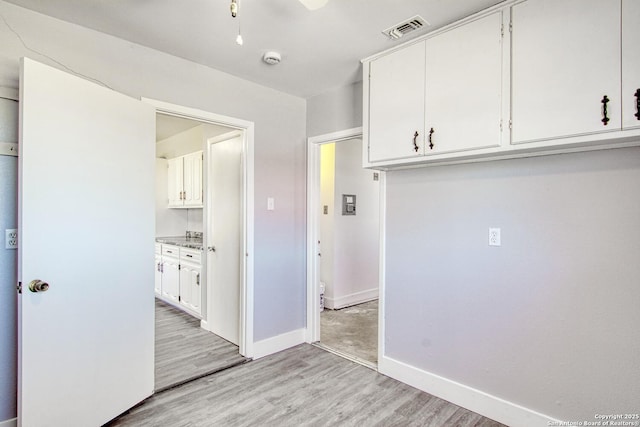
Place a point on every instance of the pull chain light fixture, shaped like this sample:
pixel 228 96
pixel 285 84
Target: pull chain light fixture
pixel 235 5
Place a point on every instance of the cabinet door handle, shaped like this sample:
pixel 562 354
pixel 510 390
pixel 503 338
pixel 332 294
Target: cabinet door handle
pixel 198 279
pixel 605 101
pixel 189 256
pixel 415 143
pixel 431 139
pixel 637 94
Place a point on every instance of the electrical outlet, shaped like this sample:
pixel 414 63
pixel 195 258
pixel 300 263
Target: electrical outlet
pixel 494 237
pixel 11 238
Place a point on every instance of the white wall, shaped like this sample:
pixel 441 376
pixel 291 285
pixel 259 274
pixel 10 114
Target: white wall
pixel 327 198
pixel 350 255
pixel 549 320
pixel 8 261
pixel 336 110
pixel 280 133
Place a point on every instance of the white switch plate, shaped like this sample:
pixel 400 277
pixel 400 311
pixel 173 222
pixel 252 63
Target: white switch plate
pixel 494 237
pixel 11 238
pixel 271 203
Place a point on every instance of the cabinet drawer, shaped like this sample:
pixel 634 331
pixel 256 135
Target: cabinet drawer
pixel 190 255
pixel 171 251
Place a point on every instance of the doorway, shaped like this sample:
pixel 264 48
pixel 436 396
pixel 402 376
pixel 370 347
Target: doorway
pixel 193 307
pixel 343 261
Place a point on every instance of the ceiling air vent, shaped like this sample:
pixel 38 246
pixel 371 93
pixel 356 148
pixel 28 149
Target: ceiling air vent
pixel 405 27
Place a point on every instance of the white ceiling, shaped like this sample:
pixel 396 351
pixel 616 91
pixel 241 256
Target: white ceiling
pixel 321 49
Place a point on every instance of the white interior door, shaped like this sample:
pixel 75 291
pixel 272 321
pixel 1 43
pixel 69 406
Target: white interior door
pixel 225 234
pixel 86 209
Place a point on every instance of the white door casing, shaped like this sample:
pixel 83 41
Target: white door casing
pixel 225 234
pixel 86 345
pixel 246 344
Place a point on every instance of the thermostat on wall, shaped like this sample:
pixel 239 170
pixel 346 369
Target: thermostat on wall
pixel 348 204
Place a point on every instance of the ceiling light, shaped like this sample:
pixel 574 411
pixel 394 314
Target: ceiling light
pixel 271 58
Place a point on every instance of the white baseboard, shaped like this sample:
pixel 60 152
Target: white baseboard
pixel 278 343
pixel 477 401
pixel 351 299
pixel 13 422
pixel 204 325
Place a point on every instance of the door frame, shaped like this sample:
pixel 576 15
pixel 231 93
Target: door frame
pixel 246 344
pixel 312 333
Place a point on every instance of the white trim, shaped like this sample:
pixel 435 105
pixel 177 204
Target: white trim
pixel 352 299
pixel 278 343
pixel 381 271
pixel 9 149
pixel 472 399
pixel 14 95
pixel 13 422
pixel 313 191
pixel 247 291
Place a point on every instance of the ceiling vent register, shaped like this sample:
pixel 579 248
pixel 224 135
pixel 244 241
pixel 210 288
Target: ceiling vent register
pixel 399 30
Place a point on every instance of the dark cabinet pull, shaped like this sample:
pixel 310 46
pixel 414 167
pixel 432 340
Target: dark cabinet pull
pixel 637 94
pixel 605 119
pixel 431 139
pixel 415 144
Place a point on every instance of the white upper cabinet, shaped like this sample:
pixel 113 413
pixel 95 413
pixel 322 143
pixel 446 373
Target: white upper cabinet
pixel 396 105
pixel 174 181
pixel 630 64
pixel 565 68
pixel 185 181
pixel 192 187
pixel 463 99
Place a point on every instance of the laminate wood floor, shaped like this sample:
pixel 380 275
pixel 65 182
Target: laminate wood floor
pixel 302 386
pixel 185 351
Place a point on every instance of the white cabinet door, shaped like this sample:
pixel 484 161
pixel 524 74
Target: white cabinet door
pixel 171 279
pixel 396 105
pixel 158 275
pixel 565 60
pixel 630 63
pixel 463 87
pixel 192 187
pixel 174 183
pixel 190 287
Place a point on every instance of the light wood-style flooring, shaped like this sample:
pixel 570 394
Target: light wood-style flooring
pixel 185 351
pixel 302 386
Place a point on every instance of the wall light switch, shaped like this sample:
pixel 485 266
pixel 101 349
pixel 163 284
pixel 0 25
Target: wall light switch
pixel 494 237
pixel 271 203
pixel 11 238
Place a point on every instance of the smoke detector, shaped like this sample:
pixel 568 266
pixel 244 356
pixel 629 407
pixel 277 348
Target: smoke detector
pixel 412 24
pixel 272 58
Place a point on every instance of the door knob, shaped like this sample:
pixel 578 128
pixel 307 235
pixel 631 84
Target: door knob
pixel 38 286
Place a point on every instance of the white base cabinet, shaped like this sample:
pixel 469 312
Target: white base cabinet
pixel 178 278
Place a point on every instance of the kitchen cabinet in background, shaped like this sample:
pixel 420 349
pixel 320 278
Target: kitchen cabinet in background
pixel 190 269
pixel 171 273
pixel 184 183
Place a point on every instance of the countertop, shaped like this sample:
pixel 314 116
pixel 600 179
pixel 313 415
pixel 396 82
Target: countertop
pixel 185 242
